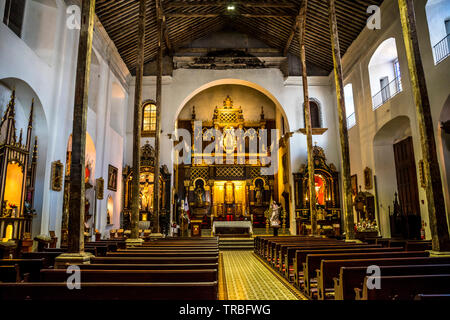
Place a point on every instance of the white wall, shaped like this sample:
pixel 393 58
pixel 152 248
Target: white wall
pixel 363 152
pixel 45 60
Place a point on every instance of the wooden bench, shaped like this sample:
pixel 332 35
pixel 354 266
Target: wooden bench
pixel 274 253
pixel 404 287
pixel 433 297
pixel 155 260
pixel 29 268
pixel 58 291
pixel 49 257
pixel 161 254
pixel 313 262
pixel 10 273
pixel 301 256
pixel 60 275
pixel 288 256
pixel 143 266
pixel 350 278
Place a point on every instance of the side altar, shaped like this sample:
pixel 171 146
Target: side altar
pixel 326 181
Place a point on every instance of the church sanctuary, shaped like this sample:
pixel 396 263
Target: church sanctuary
pixel 224 150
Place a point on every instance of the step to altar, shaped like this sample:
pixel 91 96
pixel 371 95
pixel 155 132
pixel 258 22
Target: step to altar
pixel 227 243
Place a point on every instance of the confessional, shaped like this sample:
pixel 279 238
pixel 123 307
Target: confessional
pixel 17 176
pixel 146 195
pixel 326 180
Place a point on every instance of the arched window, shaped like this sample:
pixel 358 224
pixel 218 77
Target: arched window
pixel 349 106
pixel 438 13
pixel 384 73
pixel 149 119
pixel 315 115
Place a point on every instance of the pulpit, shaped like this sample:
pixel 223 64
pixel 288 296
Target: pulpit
pixel 196 228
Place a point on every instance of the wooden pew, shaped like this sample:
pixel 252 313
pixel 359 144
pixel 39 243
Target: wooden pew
pixel 162 254
pixel 29 268
pixel 405 287
pixel 10 273
pixel 418 245
pixel 301 255
pixel 155 260
pixel 143 266
pixel 433 297
pixel 275 253
pixel 60 275
pixel 313 261
pixel 350 278
pixel 288 254
pixel 58 291
pixel 49 257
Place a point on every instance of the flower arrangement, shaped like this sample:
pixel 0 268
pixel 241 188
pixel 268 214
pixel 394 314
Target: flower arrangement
pixel 366 225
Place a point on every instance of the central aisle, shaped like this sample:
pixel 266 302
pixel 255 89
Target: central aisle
pixel 247 278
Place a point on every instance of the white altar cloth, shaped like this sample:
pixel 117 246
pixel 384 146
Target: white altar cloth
pixel 233 224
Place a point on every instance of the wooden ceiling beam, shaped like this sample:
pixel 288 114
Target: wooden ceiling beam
pixel 292 33
pixel 215 15
pixel 254 4
pixel 165 31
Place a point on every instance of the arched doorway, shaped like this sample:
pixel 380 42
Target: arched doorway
pixel 396 176
pixel 216 181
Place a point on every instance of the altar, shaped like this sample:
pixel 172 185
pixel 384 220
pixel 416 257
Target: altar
pixel 232 228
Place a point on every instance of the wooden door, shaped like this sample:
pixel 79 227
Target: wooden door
pixel 408 193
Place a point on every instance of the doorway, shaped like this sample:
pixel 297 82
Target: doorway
pixel 408 192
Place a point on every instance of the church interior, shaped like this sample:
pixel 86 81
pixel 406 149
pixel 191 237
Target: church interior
pixel 224 150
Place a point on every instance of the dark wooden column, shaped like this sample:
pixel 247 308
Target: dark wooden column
pixel 135 186
pixel 435 197
pixel 156 207
pixel 343 133
pixel 312 190
pixel 77 166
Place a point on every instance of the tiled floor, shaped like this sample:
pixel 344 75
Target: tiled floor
pixel 248 278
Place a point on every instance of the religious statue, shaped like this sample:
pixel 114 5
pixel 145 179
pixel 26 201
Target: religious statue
pixel 108 217
pixel 87 171
pixel 199 193
pixel 145 196
pixel 229 192
pixel 275 218
pixel 259 194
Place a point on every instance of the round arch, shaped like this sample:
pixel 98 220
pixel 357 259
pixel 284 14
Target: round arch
pixel 231 81
pixel 24 95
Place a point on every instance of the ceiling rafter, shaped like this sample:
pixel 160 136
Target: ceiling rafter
pixel 275 22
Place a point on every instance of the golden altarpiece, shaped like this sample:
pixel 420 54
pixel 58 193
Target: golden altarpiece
pixel 146 196
pixel 326 180
pixel 222 191
pixel 17 176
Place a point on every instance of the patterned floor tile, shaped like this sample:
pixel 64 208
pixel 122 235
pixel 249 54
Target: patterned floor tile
pixel 247 278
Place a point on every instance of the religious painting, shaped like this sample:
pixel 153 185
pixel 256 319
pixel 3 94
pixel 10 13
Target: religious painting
pixel 368 178
pixel 99 187
pixel 354 182
pixel 112 178
pixel 57 175
pixel 320 189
